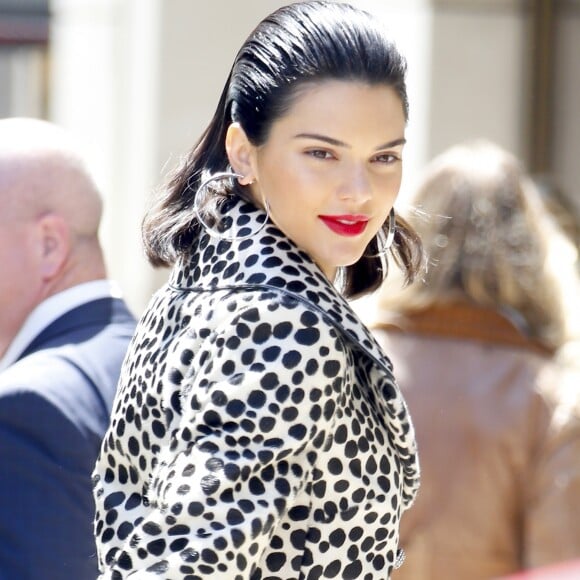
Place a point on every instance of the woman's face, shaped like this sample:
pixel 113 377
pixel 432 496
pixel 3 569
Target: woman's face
pixel 332 167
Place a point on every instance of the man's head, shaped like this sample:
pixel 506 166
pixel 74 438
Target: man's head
pixel 50 210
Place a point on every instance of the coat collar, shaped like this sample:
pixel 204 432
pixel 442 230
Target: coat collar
pixel 270 260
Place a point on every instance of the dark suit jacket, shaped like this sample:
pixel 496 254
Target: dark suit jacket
pixel 55 403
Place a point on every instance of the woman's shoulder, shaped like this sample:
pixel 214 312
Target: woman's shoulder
pixel 271 307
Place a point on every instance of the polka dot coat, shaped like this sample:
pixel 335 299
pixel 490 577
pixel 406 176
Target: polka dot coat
pixel 257 432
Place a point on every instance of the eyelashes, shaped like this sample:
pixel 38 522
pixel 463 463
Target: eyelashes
pixel 320 154
pixel 382 158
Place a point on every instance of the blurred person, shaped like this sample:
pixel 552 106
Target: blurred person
pixel 473 347
pixel 274 442
pixel 64 331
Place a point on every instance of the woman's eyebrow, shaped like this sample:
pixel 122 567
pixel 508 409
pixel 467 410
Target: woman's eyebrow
pixel 338 143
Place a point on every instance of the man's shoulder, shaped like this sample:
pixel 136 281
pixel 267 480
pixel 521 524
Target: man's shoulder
pixel 52 387
pixel 45 372
pixel 74 367
pixel 49 411
pixel 74 364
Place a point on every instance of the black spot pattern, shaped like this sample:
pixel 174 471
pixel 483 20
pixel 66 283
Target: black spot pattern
pixel 257 432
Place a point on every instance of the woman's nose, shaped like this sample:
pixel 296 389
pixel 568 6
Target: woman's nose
pixel 356 185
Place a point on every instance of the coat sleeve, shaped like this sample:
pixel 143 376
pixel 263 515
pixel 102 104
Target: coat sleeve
pixel 258 400
pixel 552 525
pixel 46 505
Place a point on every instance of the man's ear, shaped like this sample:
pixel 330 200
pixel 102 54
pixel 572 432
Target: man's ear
pixel 54 241
pixel 241 153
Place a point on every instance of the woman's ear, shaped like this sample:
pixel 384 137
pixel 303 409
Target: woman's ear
pixel 240 153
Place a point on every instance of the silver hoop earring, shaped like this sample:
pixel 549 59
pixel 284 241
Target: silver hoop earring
pixel 389 237
pixel 205 207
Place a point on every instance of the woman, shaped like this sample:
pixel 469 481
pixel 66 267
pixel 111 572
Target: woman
pixel 497 420
pixel 258 431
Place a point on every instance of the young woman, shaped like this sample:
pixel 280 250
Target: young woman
pixel 258 431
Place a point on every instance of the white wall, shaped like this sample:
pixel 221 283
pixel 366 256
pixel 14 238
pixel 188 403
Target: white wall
pixel 105 90
pixel 478 74
pixel 22 81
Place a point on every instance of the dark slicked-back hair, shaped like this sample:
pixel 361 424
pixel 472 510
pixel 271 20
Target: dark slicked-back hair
pixel 299 44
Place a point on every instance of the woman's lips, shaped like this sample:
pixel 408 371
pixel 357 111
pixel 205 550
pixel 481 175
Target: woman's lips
pixel 345 225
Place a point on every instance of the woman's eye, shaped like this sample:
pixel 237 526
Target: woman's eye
pixel 385 158
pixel 320 154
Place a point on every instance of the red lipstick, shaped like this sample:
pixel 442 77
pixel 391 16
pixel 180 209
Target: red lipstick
pixel 345 225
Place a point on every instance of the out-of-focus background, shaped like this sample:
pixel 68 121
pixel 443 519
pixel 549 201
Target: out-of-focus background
pixel 136 81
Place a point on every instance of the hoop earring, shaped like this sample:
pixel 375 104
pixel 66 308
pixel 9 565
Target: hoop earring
pixel 390 236
pixel 217 229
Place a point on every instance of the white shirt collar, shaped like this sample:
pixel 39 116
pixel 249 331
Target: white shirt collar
pixel 51 309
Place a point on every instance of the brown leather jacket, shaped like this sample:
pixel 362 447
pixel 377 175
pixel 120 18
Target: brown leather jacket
pixel 498 430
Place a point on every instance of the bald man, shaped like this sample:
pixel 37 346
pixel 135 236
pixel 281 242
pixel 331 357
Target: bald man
pixel 64 331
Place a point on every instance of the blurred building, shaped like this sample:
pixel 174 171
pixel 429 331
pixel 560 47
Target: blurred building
pixel 137 80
